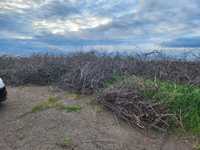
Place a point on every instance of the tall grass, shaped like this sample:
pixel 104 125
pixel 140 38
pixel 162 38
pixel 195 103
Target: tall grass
pixel 182 100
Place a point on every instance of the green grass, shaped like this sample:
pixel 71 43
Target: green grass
pixel 70 108
pixel 196 147
pixel 67 141
pixel 53 102
pixel 182 100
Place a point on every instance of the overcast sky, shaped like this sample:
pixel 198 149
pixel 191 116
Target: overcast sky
pixel 59 25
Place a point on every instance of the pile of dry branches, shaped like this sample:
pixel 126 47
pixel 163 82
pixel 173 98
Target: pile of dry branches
pixel 130 106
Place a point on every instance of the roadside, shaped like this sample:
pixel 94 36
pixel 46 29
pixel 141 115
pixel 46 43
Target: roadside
pixel 92 128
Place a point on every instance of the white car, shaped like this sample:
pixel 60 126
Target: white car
pixel 3 91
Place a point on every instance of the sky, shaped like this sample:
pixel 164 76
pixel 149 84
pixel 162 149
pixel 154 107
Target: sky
pixel 59 26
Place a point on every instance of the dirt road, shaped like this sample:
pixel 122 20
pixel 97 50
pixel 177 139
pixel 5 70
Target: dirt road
pixel 90 129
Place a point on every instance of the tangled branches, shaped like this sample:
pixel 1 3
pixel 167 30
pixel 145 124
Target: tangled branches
pixel 130 106
pixel 87 72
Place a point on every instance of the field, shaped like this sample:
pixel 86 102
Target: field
pixel 161 96
pixel 25 126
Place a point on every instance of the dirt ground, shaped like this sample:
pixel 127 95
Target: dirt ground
pixel 92 128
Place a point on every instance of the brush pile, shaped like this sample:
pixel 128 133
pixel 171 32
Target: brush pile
pixel 129 105
pixel 126 99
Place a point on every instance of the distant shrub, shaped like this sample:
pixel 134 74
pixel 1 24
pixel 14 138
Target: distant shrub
pixel 89 72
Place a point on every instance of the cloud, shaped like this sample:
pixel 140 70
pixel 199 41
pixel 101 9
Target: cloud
pixel 57 8
pixel 14 35
pixel 18 6
pixel 187 42
pixel 72 24
pixel 144 23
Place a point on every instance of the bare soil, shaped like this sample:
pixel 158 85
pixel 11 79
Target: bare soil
pixel 93 128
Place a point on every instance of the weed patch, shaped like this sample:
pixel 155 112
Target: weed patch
pixel 70 108
pixel 196 147
pixel 182 100
pixel 53 102
pixel 67 143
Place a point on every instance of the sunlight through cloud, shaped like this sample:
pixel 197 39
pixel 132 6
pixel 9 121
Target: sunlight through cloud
pixel 75 24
